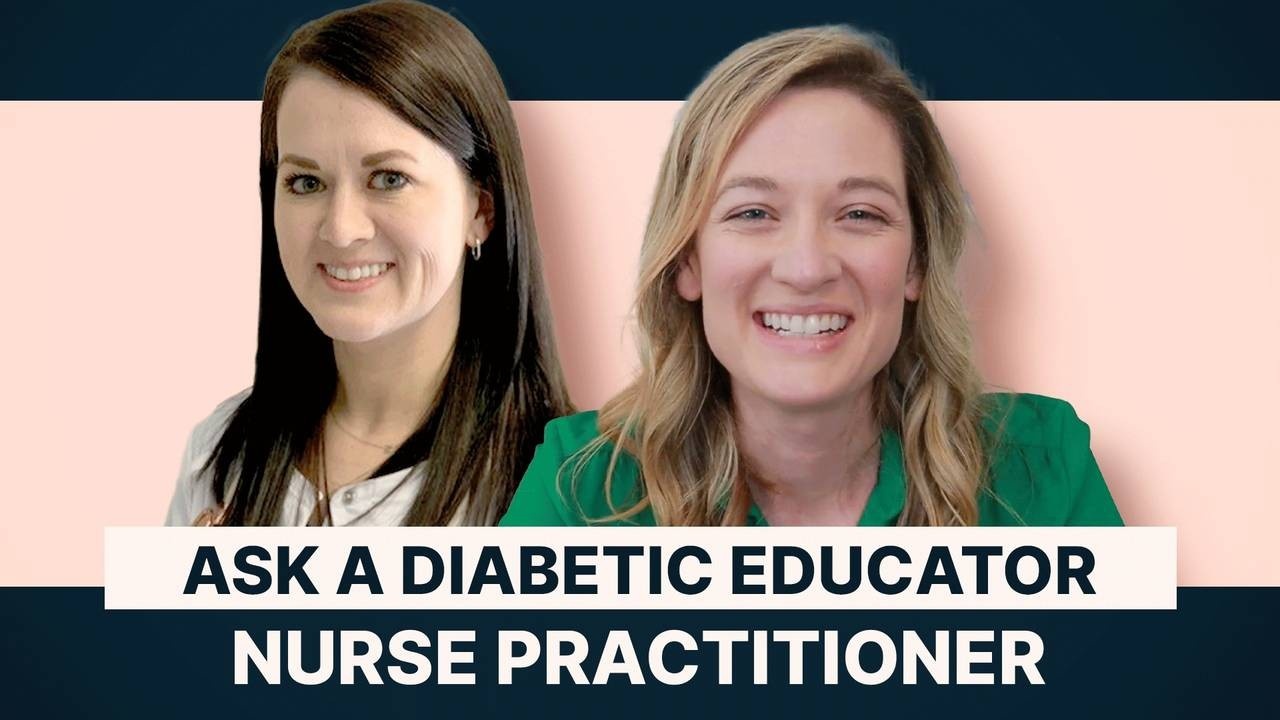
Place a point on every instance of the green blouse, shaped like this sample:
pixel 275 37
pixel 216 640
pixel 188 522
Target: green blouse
pixel 1043 473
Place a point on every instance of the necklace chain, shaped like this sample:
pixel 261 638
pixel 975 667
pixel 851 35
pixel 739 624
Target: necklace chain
pixel 338 424
pixel 323 494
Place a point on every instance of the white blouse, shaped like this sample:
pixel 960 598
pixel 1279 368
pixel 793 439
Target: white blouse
pixel 378 501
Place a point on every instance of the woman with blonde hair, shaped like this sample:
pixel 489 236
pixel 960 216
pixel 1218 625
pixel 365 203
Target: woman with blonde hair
pixel 804 353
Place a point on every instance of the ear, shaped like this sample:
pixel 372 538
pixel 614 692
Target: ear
pixel 482 222
pixel 915 280
pixel 689 277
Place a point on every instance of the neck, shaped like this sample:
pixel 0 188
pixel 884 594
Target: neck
pixel 386 386
pixel 813 466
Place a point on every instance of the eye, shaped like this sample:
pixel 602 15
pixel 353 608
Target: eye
pixel 303 184
pixel 862 215
pixel 754 214
pixel 388 180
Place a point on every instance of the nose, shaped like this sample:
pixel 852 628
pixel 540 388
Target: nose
pixel 806 259
pixel 346 219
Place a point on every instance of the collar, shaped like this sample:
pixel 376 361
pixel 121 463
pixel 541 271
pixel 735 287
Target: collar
pixel 888 496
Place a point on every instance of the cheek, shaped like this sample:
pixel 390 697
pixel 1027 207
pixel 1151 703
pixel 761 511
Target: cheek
pixel 883 274
pixel 428 265
pixel 730 273
pixel 726 271
pixel 294 232
pixel 425 225
pixel 428 252
pixel 882 279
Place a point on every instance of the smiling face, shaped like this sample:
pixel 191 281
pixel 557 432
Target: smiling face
pixel 372 217
pixel 803 264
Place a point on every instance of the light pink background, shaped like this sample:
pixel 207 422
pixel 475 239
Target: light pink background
pixel 1127 259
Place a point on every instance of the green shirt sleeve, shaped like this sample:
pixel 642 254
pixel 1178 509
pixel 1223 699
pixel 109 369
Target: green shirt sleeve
pixel 562 487
pixel 538 501
pixel 1043 472
pixel 1091 502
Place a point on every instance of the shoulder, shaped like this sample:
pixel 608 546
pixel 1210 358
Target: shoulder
pixel 194 491
pixel 572 433
pixel 1042 468
pixel 1024 419
pixel 569 480
pixel 205 435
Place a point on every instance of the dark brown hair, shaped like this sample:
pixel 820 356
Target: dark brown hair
pixel 503 382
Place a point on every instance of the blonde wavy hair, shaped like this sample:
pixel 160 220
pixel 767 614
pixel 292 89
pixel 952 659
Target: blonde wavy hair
pixel 676 420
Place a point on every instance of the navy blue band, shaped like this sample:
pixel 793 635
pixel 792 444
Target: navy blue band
pixel 63 655
pixel 659 49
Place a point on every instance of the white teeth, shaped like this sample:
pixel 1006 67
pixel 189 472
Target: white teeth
pixel 784 324
pixel 359 272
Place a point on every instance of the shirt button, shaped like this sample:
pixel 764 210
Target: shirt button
pixel 348 497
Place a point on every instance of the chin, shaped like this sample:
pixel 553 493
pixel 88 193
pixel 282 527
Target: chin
pixel 350 330
pixel 806 398
pixel 795 387
pixel 795 394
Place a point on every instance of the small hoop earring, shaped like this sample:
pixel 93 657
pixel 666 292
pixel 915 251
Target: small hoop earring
pixel 475 250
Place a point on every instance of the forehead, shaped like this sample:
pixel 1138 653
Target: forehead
pixel 317 112
pixel 818 136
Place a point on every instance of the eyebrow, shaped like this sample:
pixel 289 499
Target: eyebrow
pixel 366 161
pixel 755 182
pixel 859 182
pixel 300 162
pixel 853 182
pixel 380 157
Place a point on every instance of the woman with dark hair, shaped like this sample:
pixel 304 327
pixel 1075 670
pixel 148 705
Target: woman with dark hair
pixel 405 364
